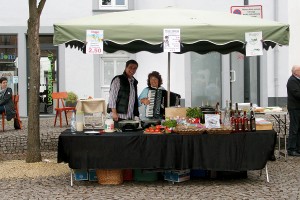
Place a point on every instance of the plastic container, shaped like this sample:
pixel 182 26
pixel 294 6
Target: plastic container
pixel 79 120
pixel 142 175
pixel 73 122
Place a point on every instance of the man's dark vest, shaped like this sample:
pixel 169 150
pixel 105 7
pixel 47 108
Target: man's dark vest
pixel 123 95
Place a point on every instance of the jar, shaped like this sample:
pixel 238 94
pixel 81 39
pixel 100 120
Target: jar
pixel 109 125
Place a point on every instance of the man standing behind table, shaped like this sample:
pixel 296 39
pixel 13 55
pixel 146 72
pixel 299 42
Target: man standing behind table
pixel 123 99
pixel 293 105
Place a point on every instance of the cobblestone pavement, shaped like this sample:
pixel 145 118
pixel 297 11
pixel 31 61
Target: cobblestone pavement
pixel 284 184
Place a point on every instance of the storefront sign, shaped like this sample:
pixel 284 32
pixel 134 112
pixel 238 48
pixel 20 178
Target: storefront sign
pixel 94 39
pixel 9 57
pixel 50 81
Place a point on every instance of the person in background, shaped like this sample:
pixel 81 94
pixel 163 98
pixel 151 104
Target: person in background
pixel 123 99
pixel 154 81
pixel 6 103
pixel 293 106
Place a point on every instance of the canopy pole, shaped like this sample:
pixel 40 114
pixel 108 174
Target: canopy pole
pixel 169 63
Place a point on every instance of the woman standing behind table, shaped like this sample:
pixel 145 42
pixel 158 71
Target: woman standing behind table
pixel 154 82
pixel 6 103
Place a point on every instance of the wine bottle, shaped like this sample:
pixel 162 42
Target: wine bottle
pixel 239 122
pixel 246 123
pixel 218 112
pixel 233 122
pixel 252 119
pixel 226 119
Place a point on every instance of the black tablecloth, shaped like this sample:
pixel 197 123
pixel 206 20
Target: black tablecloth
pixel 135 150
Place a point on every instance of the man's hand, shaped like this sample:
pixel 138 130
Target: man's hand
pixel 114 114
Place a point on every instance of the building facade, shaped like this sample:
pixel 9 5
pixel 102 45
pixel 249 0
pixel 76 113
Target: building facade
pixel 199 79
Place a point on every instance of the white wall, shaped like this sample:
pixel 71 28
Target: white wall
pixel 15 12
pixel 79 70
pixel 294 19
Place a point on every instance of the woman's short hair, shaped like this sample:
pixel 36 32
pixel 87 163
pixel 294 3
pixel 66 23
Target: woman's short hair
pixel 156 75
pixel 3 79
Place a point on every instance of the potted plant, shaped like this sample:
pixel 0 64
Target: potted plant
pixel 71 100
pixel 194 114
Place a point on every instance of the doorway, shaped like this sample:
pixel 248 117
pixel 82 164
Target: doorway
pixel 208 70
pixel 48 73
pixel 244 78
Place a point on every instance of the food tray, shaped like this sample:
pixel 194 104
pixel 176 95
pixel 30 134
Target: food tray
pixel 219 130
pixel 145 132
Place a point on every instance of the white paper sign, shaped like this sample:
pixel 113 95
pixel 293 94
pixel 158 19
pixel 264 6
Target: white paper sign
pixel 254 46
pixel 248 10
pixel 171 40
pixel 94 39
pixel 212 121
pixel 15 79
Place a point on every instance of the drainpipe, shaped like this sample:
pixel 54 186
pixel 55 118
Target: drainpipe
pixel 276 58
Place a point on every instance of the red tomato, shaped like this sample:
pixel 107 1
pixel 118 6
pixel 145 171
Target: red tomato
pixel 152 130
pixel 157 130
pixel 157 126
pixel 147 130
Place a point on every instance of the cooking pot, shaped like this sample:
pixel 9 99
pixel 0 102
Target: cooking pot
pixel 128 124
pixel 206 110
pixel 150 122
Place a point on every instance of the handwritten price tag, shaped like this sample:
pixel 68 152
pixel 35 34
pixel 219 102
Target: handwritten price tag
pixel 95 50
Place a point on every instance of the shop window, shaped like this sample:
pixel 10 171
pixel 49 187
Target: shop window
pixel 113 4
pixel 9 60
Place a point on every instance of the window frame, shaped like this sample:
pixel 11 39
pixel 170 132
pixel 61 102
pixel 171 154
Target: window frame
pixel 113 5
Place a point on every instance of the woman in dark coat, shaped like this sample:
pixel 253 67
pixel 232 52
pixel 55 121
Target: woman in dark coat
pixel 6 103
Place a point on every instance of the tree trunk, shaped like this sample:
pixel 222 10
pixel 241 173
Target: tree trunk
pixel 33 140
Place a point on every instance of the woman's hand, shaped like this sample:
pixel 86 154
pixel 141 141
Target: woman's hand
pixel 145 101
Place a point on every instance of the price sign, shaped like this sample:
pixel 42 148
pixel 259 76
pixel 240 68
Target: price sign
pixel 94 50
pixel 94 39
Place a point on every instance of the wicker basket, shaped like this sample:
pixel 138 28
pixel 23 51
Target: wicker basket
pixel 110 177
pixel 219 130
pixel 188 130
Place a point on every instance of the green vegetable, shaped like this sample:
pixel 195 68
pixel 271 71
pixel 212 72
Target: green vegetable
pixel 194 112
pixel 170 123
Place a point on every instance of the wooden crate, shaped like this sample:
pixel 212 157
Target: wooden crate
pixel 175 111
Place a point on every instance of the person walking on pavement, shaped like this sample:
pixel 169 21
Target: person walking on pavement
pixel 293 106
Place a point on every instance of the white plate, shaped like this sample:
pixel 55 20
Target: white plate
pixel 109 131
pixel 91 132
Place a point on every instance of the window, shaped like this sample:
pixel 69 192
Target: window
pixel 113 4
pixel 206 79
pixel 111 65
pixel 9 59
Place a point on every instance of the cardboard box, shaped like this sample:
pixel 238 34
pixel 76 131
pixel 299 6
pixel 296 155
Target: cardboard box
pixel 262 124
pixel 92 175
pixel 175 111
pixel 264 127
pixel 177 175
pixel 80 175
